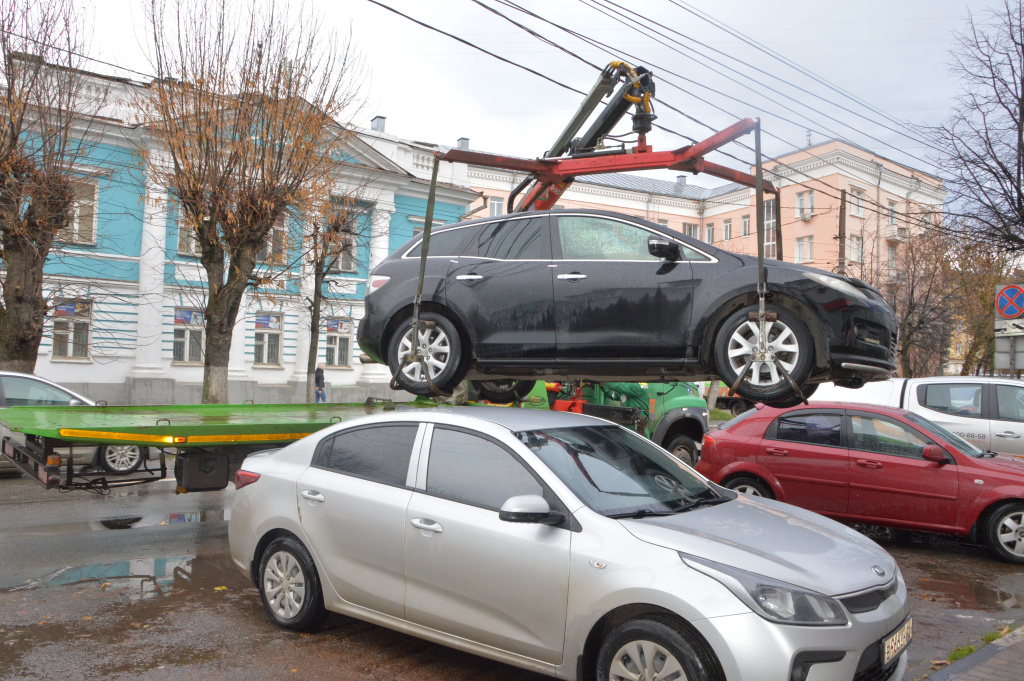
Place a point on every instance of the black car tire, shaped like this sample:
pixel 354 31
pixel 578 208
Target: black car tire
pixel 748 484
pixel 1006 545
pixel 626 648
pixel 788 326
pixel 508 390
pixel 290 586
pixel 451 373
pixel 120 459
pixel 684 449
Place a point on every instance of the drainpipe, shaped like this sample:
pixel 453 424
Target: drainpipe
pixel 915 188
pixel 700 223
pixel 878 226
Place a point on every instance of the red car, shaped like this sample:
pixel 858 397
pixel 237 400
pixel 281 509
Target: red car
pixel 872 465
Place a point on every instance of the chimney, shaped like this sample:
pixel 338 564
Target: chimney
pixel 680 181
pixel 464 143
pixel 378 123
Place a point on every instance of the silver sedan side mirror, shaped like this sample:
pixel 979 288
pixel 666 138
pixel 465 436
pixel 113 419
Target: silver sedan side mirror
pixel 529 508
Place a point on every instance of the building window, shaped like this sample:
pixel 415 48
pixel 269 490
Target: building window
pixel 275 248
pixel 892 258
pixel 769 229
pixel 691 229
pixel 959 326
pixel 82 227
pixel 188 336
pixel 268 339
pixel 892 212
pixel 497 206
pixel 804 249
pixel 857 202
pixel 339 343
pixel 663 223
pixel 745 226
pixel 71 322
pixel 959 348
pixel 726 229
pixel 188 243
pixel 805 204
pixel 709 232
pixel 856 248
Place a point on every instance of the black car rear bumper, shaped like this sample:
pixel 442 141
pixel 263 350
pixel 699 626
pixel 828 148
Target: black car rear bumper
pixel 371 329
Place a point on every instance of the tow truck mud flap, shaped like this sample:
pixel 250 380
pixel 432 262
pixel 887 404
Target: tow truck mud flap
pixel 201 471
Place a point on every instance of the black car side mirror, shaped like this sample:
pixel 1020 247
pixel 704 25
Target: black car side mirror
pixel 663 248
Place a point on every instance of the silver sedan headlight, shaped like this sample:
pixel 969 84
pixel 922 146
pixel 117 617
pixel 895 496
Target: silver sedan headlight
pixel 844 287
pixel 771 599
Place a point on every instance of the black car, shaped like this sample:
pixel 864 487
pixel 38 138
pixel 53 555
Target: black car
pixel 570 294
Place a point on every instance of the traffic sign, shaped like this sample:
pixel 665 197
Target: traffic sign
pixel 1010 301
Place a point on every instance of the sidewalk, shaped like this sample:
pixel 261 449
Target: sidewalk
pixel 1001 660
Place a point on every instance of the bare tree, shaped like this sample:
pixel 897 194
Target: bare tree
pixel 246 109
pixel 44 120
pixel 983 143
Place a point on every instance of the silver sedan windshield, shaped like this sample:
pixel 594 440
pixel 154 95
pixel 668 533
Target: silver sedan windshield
pixel 619 474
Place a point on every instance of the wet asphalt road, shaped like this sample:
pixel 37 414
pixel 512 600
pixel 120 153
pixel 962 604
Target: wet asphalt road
pixel 139 585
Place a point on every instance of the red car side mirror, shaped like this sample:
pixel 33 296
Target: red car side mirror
pixel 934 453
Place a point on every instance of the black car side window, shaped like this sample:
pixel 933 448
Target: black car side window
pixel 472 470
pixel 812 429
pixel 586 237
pixel 377 453
pixel 524 239
pixel 447 242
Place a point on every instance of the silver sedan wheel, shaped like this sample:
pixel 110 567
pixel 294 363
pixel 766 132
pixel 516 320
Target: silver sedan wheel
pixel 645 661
pixel 284 585
pixel 749 490
pixel 1011 532
pixel 121 457
pixel 781 342
pixel 434 345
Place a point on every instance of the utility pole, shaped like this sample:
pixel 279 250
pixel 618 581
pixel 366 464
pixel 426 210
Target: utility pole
pixel 842 232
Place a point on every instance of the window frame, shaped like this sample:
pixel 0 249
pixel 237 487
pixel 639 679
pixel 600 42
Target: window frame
pixel 769 230
pixel 727 229
pixel 556 241
pixel 188 329
pixel 772 433
pixel 745 226
pixel 269 253
pixel 495 202
pixel 415 453
pixel 72 234
pixel 279 332
pixel 848 426
pixel 922 396
pixel 328 335
pixel 471 249
pixel 856 254
pixel 70 333
pixel 858 196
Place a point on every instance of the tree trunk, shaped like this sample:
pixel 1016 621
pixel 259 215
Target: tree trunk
pixel 222 305
pixel 21 320
pixel 314 331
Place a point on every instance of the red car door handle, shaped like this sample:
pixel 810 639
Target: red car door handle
pixel 775 451
pixel 868 463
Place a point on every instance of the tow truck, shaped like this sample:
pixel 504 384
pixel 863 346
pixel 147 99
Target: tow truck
pixel 210 440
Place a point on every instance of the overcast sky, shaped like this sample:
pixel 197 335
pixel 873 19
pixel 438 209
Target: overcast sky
pixel 893 54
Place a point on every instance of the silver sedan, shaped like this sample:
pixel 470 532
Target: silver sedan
pixel 562 544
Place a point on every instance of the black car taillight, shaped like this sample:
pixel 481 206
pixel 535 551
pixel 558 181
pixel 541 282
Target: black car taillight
pixel 243 478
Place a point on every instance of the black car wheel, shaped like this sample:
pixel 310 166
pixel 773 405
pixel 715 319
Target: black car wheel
pixel 787 339
pixel 653 648
pixel 751 486
pixel 120 459
pixel 793 400
pixel 1004 532
pixel 508 390
pixel 289 585
pixel 442 348
pixel 684 449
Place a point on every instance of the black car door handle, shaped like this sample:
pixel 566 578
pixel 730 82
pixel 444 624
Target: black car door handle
pixel 575 276
pixel 469 277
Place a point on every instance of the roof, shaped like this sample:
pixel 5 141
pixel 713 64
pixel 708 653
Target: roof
pixel 660 187
pixel 520 419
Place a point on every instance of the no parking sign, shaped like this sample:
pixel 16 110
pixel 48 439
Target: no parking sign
pixel 1010 301
pixel 1009 326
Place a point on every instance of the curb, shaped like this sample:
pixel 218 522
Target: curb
pixel 982 655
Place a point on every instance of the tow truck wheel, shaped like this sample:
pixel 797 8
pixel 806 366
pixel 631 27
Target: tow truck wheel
pixel 502 391
pixel 290 586
pixel 788 340
pixel 442 348
pixel 684 449
pixel 120 459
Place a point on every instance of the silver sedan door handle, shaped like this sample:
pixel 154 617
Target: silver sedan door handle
pixel 424 524
pixel 312 495
pixel 469 277
pixel 1008 433
pixel 575 276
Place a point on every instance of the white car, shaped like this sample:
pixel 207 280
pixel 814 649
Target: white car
pixel 26 390
pixel 562 544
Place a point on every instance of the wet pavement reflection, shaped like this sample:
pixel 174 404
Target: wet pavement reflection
pixel 141 586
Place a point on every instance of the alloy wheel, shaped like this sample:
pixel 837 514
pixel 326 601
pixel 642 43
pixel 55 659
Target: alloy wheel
pixel 1011 532
pixel 749 490
pixel 645 661
pixel 781 343
pixel 434 345
pixel 284 585
pixel 122 457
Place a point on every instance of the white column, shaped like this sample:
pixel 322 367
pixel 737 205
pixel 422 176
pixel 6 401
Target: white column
pixel 380 235
pixel 149 324
pixel 304 318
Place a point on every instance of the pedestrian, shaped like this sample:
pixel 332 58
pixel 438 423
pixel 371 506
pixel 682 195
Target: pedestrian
pixel 318 381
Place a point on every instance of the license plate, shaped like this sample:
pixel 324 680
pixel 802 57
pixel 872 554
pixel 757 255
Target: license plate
pixel 896 642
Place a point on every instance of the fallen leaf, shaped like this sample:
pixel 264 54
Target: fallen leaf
pixel 294 670
pixel 220 588
pixel 87 617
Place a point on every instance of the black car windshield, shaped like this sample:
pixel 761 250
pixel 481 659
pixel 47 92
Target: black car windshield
pixel 617 473
pixel 935 429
